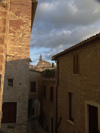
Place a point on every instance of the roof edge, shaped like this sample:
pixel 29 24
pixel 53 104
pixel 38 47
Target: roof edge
pixel 76 46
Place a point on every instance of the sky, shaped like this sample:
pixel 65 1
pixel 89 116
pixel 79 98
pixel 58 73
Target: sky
pixel 59 25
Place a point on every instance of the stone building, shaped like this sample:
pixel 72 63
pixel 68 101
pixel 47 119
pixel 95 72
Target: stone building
pixel 42 65
pixel 79 88
pixel 35 85
pixel 3 41
pixel 49 103
pixel 20 17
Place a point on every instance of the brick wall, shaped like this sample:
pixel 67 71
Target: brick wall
pixel 85 86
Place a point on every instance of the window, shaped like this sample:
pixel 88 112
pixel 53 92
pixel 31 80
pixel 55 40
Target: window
pixel 71 107
pixel 51 94
pixel 33 86
pixel 10 82
pixel 76 64
pixel 44 91
pixel 43 116
pixel 93 119
pixel 32 111
pixel 9 112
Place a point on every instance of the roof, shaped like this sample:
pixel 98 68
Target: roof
pixel 34 6
pixel 34 71
pixel 76 46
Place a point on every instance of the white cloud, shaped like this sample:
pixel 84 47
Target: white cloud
pixel 61 24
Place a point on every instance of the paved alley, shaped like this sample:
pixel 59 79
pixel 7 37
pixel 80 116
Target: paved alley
pixel 35 127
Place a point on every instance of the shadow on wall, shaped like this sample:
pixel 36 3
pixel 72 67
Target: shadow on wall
pixel 16 85
pixel 34 108
pixel 1 131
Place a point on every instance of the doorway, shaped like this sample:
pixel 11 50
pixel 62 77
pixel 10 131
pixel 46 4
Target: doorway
pixel 51 125
pixel 9 112
pixel 93 119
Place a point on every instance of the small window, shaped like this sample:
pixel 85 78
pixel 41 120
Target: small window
pixel 71 107
pixel 76 64
pixel 51 94
pixel 10 82
pixel 44 91
pixel 33 86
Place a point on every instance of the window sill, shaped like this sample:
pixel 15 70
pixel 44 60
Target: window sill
pixel 71 122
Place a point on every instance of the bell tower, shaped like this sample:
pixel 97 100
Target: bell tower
pixel 40 58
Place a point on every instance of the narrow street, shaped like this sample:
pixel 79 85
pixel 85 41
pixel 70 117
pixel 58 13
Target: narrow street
pixel 34 126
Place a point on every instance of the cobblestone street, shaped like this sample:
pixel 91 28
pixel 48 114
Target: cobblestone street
pixel 34 126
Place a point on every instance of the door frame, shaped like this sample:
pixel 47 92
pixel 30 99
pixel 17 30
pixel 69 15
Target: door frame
pixel 87 103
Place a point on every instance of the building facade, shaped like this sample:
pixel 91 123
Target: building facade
pixel 79 87
pixel 42 65
pixel 35 85
pixel 3 41
pixel 49 103
pixel 20 16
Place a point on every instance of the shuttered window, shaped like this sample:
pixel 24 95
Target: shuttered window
pixel 76 64
pixel 33 86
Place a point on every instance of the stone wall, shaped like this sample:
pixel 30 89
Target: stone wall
pixel 3 40
pixel 36 77
pixel 35 97
pixel 17 63
pixel 85 86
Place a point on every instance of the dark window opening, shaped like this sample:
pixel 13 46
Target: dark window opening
pixel 71 107
pixel 42 116
pixel 10 82
pixel 76 64
pixel 51 94
pixel 44 91
pixel 32 111
pixel 33 86
pixel 93 119
pixel 51 125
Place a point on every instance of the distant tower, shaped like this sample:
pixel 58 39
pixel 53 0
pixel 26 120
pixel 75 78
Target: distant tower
pixel 40 58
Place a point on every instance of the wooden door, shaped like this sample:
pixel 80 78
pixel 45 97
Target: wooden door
pixel 9 112
pixel 93 119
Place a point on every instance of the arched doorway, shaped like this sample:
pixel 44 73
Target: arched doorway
pixel 34 108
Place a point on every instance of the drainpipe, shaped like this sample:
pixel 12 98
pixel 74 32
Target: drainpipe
pixel 57 96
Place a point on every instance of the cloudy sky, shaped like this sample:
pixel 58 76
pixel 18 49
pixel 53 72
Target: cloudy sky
pixel 60 24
